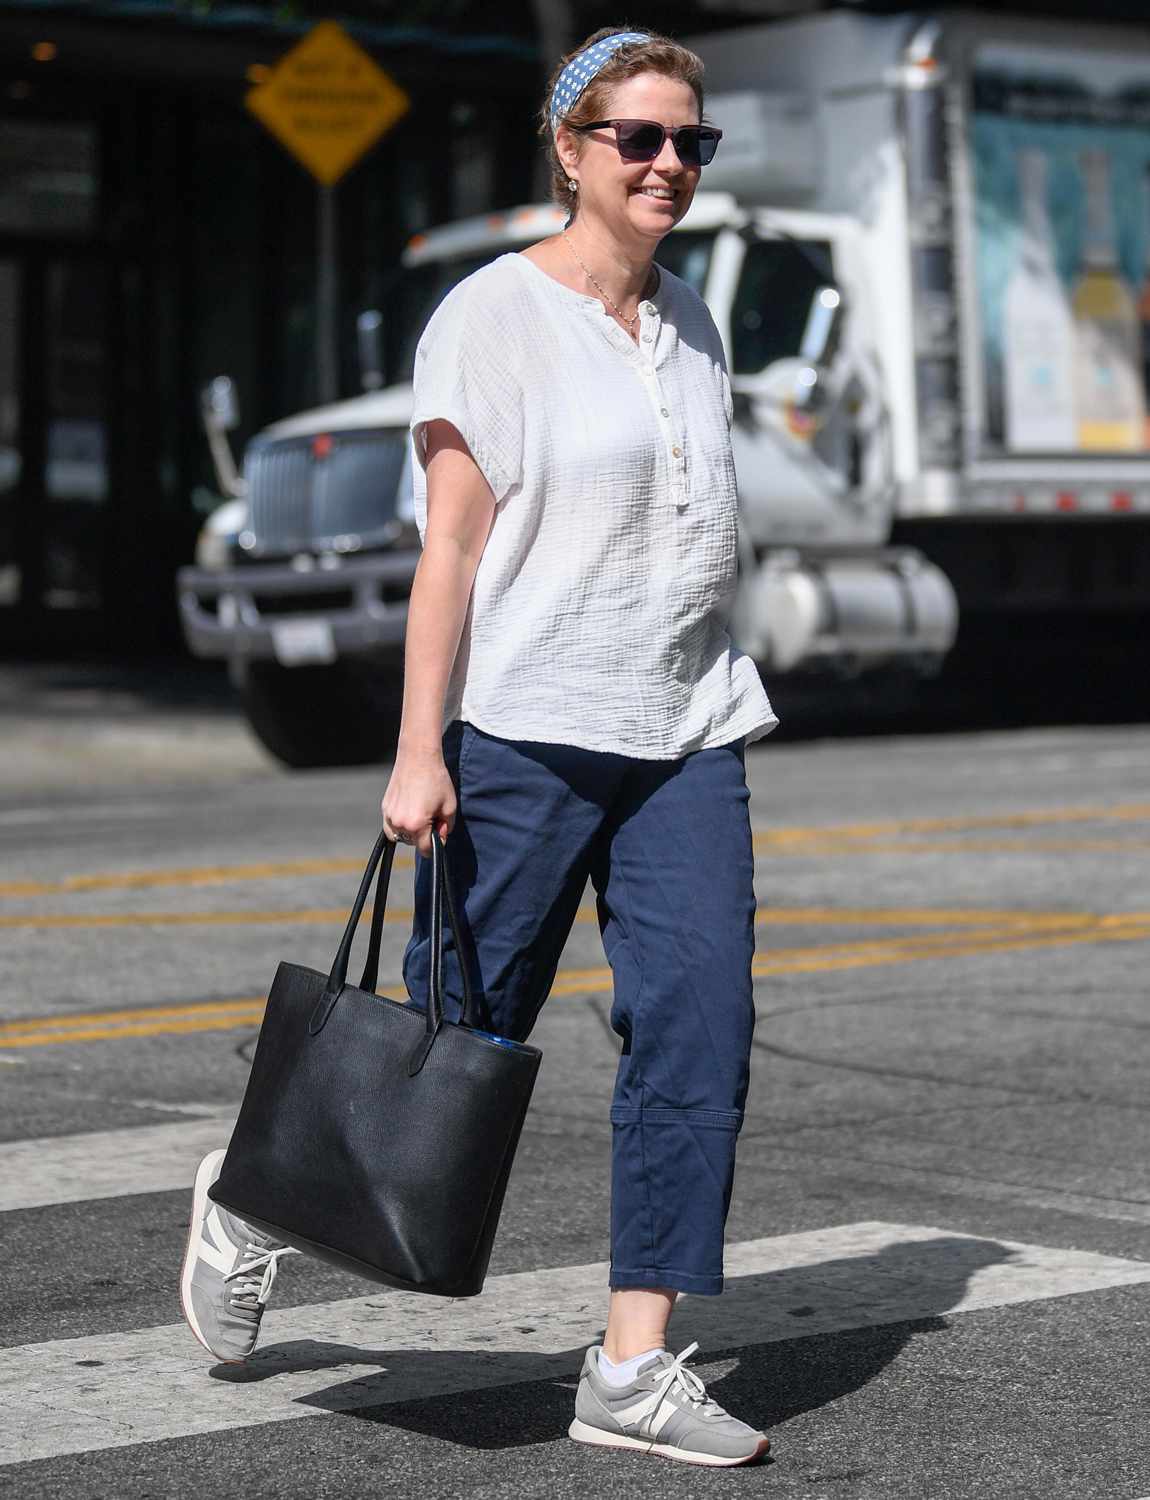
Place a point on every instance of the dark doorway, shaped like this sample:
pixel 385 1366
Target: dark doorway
pixel 54 441
pixel 55 389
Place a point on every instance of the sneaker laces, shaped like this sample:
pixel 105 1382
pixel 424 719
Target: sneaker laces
pixel 676 1377
pixel 251 1291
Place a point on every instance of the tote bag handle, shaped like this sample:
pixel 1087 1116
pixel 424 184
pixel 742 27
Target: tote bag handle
pixel 383 857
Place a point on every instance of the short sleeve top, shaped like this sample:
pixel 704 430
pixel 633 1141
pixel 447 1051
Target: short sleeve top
pixel 598 616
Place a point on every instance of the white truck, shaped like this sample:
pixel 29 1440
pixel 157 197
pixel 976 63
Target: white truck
pixel 924 242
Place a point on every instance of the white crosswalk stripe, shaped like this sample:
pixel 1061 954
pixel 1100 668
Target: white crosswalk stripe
pixel 113 1390
pixel 110 1163
pixel 163 1158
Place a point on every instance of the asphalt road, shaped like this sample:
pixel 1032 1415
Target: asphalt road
pixel 940 1240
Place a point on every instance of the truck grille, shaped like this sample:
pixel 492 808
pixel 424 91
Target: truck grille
pixel 339 491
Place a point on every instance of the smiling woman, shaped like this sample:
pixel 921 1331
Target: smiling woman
pixel 622 130
pixel 585 107
pixel 574 709
pixel 571 419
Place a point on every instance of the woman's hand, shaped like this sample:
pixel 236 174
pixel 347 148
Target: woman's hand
pixel 420 796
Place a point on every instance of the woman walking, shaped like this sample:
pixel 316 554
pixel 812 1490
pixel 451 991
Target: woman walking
pixel 574 709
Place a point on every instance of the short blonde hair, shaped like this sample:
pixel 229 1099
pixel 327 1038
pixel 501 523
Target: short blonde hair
pixel 655 54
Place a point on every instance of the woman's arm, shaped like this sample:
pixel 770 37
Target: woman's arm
pixel 460 510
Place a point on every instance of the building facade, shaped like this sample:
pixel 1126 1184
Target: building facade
pixel 154 235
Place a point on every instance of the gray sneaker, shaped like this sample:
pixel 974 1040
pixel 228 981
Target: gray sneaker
pixel 665 1410
pixel 228 1273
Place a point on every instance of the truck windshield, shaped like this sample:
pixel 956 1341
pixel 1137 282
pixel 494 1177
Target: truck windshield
pixel 423 288
pixel 688 256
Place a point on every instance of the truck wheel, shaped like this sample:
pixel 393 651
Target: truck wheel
pixel 310 717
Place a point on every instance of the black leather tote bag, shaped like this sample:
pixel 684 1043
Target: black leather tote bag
pixel 373 1134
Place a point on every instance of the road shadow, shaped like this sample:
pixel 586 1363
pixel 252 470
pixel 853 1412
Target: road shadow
pixel 999 676
pixel 995 678
pixel 115 690
pixel 851 1316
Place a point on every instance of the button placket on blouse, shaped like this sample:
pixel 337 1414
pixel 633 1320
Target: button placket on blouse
pixel 672 441
pixel 642 354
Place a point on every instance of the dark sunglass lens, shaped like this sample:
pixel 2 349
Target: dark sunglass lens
pixel 639 141
pixel 708 144
pixel 686 140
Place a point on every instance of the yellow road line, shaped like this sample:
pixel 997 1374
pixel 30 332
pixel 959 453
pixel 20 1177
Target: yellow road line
pixel 206 875
pixel 862 956
pixel 188 919
pixel 173 1027
pixel 777 840
pixel 337 916
pixel 1011 944
pixel 819 848
pixel 228 1015
pixel 900 916
pixel 1137 812
pixel 224 1008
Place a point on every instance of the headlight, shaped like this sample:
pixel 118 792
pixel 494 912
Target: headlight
pixel 217 539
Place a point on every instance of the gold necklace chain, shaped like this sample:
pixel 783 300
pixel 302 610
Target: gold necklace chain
pixel 630 321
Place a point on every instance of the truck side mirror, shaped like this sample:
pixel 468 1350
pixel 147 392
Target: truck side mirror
pixel 369 337
pixel 220 410
pixel 220 403
pixel 798 393
pixel 809 374
pixel 823 327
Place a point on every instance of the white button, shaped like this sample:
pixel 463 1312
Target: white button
pixel 677 452
pixel 646 338
pixel 648 307
pixel 663 412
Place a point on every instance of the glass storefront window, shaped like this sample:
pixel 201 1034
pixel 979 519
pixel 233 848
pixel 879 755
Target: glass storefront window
pixel 75 441
pixel 48 177
pixel 9 384
pixel 10 458
pixel 76 447
pixel 473 162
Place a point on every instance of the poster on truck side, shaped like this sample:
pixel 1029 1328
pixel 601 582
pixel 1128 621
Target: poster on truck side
pixel 1060 148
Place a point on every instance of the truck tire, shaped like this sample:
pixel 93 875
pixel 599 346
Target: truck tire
pixel 311 717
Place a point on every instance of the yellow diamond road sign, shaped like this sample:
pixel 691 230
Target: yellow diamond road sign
pixel 327 101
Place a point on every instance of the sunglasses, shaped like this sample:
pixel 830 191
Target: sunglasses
pixel 642 140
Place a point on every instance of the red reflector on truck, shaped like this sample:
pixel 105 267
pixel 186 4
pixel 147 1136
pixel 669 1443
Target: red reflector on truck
pixel 1067 500
pixel 1122 500
pixel 322 445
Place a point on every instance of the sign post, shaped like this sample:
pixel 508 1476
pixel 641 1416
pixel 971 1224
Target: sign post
pixel 327 296
pixel 328 102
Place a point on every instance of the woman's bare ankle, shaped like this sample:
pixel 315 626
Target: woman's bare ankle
pixel 637 1321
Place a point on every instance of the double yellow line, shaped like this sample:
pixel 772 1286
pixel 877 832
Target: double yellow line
pixel 965 932
pixel 335 916
pixel 986 933
pixel 880 836
pixel 117 1025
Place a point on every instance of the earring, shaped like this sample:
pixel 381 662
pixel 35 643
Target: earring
pixel 572 185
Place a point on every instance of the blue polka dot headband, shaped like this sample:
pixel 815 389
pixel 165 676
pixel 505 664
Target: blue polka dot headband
pixel 582 68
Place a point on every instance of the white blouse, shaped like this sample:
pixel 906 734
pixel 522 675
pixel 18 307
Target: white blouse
pixel 598 615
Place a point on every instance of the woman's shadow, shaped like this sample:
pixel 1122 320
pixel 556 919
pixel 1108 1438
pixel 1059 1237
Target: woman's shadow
pixel 792 1340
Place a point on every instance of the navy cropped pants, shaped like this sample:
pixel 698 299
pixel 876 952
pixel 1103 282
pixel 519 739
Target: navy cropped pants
pixel 667 846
